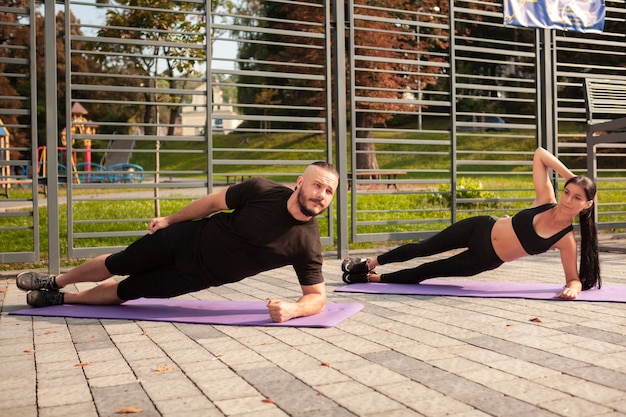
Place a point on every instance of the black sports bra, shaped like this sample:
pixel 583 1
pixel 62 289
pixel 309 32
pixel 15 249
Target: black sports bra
pixel 532 243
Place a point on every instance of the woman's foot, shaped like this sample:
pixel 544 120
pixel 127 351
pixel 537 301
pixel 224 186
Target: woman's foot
pixel 355 266
pixel 354 278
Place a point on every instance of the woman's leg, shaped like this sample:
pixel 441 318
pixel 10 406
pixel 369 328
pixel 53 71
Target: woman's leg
pixel 479 256
pixel 455 236
pixel 464 264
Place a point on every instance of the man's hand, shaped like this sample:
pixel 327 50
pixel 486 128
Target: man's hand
pixel 281 311
pixel 157 223
pixel 570 291
pixel 313 301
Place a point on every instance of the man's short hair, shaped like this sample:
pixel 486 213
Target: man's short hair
pixel 326 166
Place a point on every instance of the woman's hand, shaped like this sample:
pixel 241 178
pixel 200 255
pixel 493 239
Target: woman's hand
pixel 570 291
pixel 157 223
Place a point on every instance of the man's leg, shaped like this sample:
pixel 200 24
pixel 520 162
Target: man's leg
pixel 93 270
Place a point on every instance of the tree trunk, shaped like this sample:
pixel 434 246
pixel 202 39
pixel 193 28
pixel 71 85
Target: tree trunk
pixel 366 152
pixel 171 129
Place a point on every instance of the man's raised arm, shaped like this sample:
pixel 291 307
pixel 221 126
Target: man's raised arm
pixel 209 204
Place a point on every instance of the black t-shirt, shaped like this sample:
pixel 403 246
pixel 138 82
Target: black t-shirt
pixel 259 234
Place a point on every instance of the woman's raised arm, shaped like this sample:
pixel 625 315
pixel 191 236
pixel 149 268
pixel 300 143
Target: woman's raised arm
pixel 542 161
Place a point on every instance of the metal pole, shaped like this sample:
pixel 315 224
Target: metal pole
pixel 340 128
pixel 34 157
pixel 546 95
pixel 54 250
pixel 453 143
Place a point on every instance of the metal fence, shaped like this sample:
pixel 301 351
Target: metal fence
pixel 431 113
pixel 18 117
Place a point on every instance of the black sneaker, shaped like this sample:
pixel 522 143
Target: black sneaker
pixel 354 278
pixel 35 281
pixel 44 298
pixel 355 265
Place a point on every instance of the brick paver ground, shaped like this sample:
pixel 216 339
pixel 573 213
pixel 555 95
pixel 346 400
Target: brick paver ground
pixel 399 356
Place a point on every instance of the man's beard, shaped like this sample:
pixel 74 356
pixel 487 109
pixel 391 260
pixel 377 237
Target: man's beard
pixel 302 200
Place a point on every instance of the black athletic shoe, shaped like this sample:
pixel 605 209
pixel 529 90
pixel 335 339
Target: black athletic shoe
pixel 44 298
pixel 355 266
pixel 35 281
pixel 354 278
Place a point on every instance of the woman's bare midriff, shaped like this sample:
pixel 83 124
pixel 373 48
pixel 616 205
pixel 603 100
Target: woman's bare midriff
pixel 505 243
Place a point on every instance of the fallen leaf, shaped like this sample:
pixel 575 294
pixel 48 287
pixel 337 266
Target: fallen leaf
pixel 326 364
pixel 268 400
pixel 536 320
pixel 508 324
pixel 3 290
pixel 30 351
pixel 164 368
pixel 83 364
pixel 129 410
pixel 50 332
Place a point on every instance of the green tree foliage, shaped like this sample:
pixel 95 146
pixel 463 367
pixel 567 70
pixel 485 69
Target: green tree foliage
pixel 159 44
pixel 389 48
pixel 17 39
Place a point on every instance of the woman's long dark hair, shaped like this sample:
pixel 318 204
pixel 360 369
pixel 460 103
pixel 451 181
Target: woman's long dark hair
pixel 589 271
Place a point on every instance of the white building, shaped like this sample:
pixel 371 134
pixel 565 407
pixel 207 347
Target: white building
pixel 193 116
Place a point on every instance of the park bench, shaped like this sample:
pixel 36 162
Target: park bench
pixel 605 101
pixel 388 175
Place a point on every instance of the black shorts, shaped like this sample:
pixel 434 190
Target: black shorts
pixel 160 265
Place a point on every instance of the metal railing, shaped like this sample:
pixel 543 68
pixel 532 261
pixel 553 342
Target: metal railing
pixel 435 110
pixel 19 214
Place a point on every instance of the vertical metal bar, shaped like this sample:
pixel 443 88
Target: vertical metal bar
pixel 552 103
pixel 539 93
pixel 208 129
pixel 453 144
pixel 33 127
pixel 328 76
pixel 349 8
pixel 551 129
pixel 54 251
pixel 69 135
pixel 340 129
pixel 546 95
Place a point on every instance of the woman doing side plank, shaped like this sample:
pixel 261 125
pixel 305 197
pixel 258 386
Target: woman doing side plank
pixel 491 241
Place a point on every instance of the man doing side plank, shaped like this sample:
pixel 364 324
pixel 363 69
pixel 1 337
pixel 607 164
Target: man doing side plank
pixel 203 245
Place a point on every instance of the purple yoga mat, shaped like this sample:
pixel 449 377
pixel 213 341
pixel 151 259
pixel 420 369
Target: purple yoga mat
pixel 538 291
pixel 232 313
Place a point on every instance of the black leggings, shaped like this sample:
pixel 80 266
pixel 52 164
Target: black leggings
pixel 473 233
